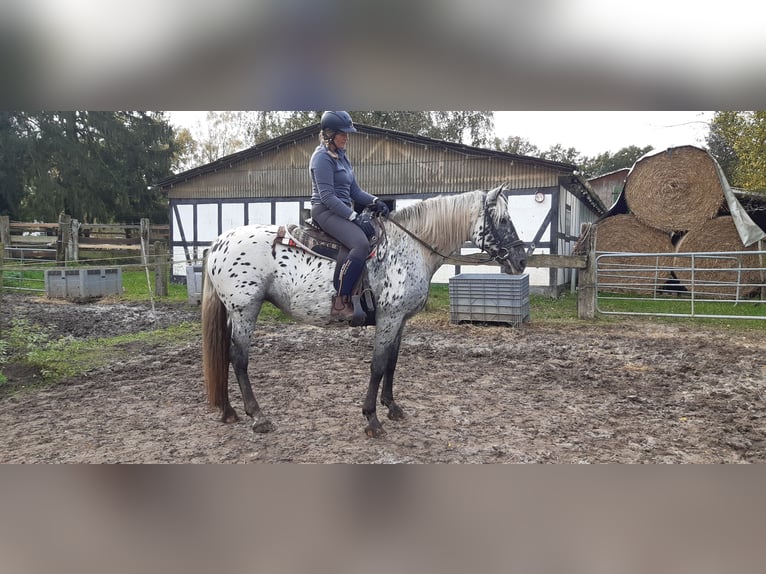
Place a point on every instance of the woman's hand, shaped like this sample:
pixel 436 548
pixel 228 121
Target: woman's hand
pixel 378 208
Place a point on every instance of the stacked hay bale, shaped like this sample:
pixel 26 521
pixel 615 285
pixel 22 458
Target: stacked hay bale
pixel 624 233
pixel 717 276
pixel 676 190
pixel 678 194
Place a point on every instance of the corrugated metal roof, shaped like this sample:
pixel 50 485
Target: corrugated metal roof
pixel 421 151
pixel 387 163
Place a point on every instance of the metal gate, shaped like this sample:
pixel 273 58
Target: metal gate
pixel 723 285
pixel 20 274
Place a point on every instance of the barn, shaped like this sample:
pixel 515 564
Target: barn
pixel 609 186
pixel 269 183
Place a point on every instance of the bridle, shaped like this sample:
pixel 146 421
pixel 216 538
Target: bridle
pixel 489 224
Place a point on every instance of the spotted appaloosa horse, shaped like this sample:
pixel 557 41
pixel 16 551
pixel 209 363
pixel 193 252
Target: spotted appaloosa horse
pixel 245 267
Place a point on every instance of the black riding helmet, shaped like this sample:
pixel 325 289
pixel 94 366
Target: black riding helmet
pixel 338 122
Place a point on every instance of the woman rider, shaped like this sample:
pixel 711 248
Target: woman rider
pixel 334 193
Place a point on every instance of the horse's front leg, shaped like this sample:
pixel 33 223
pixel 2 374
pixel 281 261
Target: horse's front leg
pixel 385 354
pixel 374 428
pixel 395 413
pixel 240 348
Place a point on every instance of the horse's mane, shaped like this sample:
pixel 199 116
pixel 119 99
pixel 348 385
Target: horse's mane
pixel 443 221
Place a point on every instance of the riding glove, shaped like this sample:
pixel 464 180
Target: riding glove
pixel 378 208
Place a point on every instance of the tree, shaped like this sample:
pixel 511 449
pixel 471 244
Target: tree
pixel 264 126
pixel 516 145
pixel 738 142
pixel 225 133
pixel 522 146
pixel 608 162
pixel 222 134
pixel 452 126
pixel 186 148
pixel 558 153
pixel 95 166
pixel 13 159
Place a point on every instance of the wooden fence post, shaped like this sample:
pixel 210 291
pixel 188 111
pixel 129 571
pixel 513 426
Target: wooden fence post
pixel 161 267
pixel 65 231
pixel 586 289
pixel 5 230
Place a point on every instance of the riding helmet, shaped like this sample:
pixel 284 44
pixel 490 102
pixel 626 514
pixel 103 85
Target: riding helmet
pixel 338 121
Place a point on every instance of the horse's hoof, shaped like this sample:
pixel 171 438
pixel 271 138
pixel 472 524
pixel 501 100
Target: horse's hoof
pixel 263 426
pixel 374 431
pixel 229 416
pixel 395 413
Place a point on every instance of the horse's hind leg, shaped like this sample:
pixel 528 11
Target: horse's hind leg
pixel 240 349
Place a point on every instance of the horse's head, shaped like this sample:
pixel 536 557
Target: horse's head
pixel 496 234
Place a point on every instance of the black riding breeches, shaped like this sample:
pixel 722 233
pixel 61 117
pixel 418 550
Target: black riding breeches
pixel 345 231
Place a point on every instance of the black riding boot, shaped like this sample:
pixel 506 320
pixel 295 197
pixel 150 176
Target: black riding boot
pixel 343 307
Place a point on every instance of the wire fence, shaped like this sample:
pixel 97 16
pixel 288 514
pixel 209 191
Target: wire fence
pixel 28 275
pixel 724 285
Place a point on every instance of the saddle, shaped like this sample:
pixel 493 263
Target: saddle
pixel 311 238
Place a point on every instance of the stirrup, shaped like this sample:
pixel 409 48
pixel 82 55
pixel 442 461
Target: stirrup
pixel 350 309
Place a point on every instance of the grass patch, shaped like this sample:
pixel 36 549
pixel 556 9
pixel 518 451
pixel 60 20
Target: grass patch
pixel 561 309
pixel 136 288
pixel 679 310
pixel 69 358
pixel 541 307
pixel 438 299
pixel 32 347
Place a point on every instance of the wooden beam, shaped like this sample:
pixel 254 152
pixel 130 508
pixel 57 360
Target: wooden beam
pixel 23 226
pixel 557 261
pixel 539 260
pixel 135 242
pixel 33 241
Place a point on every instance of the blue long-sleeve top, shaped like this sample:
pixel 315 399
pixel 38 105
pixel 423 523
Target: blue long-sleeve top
pixel 333 183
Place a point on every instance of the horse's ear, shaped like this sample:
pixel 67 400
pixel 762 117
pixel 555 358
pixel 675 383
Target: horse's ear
pixel 493 194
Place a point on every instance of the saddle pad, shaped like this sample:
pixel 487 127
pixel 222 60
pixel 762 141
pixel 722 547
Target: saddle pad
pixel 312 240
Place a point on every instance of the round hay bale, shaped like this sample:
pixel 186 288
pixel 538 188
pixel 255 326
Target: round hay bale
pixel 716 276
pixel 675 190
pixel 639 275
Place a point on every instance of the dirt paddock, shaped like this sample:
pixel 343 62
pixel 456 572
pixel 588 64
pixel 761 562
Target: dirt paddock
pixel 589 392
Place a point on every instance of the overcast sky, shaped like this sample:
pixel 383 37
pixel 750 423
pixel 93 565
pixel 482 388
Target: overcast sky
pixel 590 132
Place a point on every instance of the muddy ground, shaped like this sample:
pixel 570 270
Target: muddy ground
pixel 586 392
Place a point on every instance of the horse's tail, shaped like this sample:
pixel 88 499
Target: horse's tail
pixel 216 340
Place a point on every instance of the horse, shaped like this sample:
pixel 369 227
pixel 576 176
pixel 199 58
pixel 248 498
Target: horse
pixel 246 266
